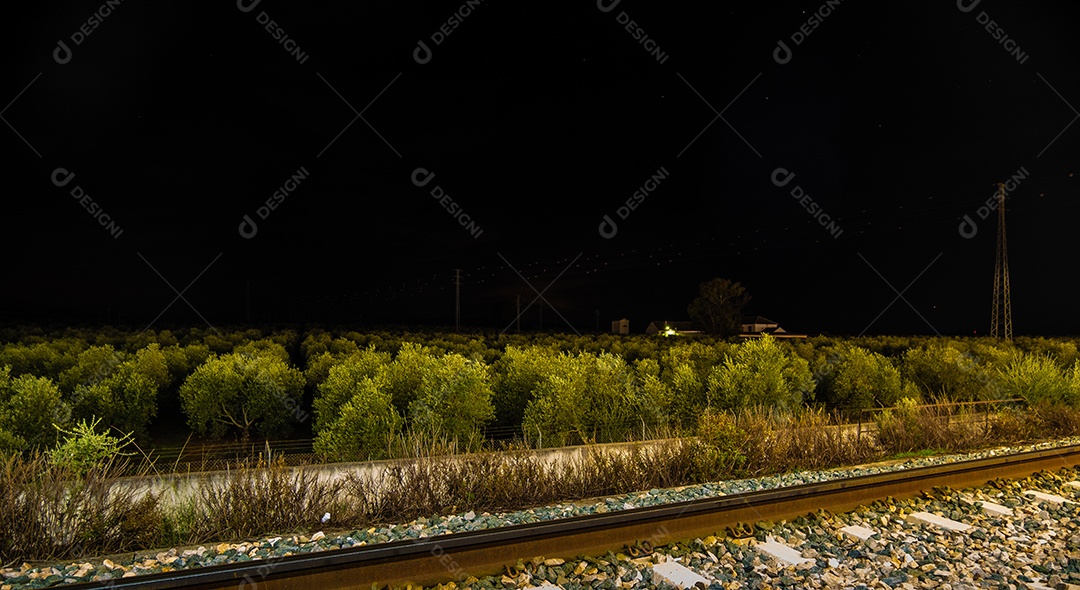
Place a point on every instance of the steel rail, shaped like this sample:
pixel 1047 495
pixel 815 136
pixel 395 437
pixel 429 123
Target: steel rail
pixel 454 557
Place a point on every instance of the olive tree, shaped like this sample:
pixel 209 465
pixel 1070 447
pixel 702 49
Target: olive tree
pixel 243 392
pixel 29 408
pixel 761 373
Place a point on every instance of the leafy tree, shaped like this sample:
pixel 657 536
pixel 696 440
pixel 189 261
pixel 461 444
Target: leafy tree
pixel 29 406
pixel 517 375
pixel 941 371
pixel 120 391
pixel 589 398
pixel 760 373
pixel 343 381
pixel 719 306
pixel 404 377
pixel 454 400
pixel 363 427
pixel 853 377
pixel 243 392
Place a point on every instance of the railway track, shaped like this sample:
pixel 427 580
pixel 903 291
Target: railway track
pixel 453 557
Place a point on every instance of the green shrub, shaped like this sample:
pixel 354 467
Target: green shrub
pixel 856 378
pixel 243 393
pixel 760 373
pixel 1039 380
pixel 84 448
pixel 341 381
pixel 363 427
pixel 454 400
pixel 720 441
pixel 29 406
pixel 941 372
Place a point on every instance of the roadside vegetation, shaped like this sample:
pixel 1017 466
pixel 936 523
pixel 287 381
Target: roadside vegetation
pixel 78 410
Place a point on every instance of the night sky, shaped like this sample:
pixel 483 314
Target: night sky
pixel 537 120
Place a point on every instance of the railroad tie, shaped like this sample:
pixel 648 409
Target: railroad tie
pixel 859 532
pixel 678 575
pixel 1043 496
pixel 938 521
pixel 989 507
pixel 781 552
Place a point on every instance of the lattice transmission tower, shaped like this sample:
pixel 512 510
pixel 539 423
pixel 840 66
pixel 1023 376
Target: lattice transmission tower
pixel 1002 308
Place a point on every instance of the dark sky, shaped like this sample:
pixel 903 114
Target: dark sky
pixel 537 120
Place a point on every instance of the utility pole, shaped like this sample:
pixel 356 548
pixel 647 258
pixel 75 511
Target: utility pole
pixel 1002 307
pixel 519 311
pixel 457 299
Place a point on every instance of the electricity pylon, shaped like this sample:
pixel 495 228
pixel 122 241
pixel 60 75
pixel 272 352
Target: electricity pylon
pixel 1002 308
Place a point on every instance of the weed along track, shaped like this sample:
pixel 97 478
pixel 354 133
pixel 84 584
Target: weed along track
pixel 634 532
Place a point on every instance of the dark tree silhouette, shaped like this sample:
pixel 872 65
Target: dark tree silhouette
pixel 718 306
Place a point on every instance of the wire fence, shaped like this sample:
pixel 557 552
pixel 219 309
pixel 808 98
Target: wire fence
pixel 296 452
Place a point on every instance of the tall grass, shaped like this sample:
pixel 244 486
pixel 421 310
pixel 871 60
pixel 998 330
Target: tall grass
pixel 53 511
pixel 50 512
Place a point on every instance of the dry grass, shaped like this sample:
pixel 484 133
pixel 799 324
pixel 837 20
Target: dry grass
pixel 48 511
pixel 513 480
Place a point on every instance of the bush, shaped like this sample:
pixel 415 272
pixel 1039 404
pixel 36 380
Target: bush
pixel 856 378
pixel 122 392
pixel 942 372
pixel 341 382
pixel 244 393
pixel 760 373
pixel 454 399
pixel 363 427
pixel 720 453
pixel 588 399
pixel 29 406
pixel 84 448
pixel 1039 380
pixel 518 374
